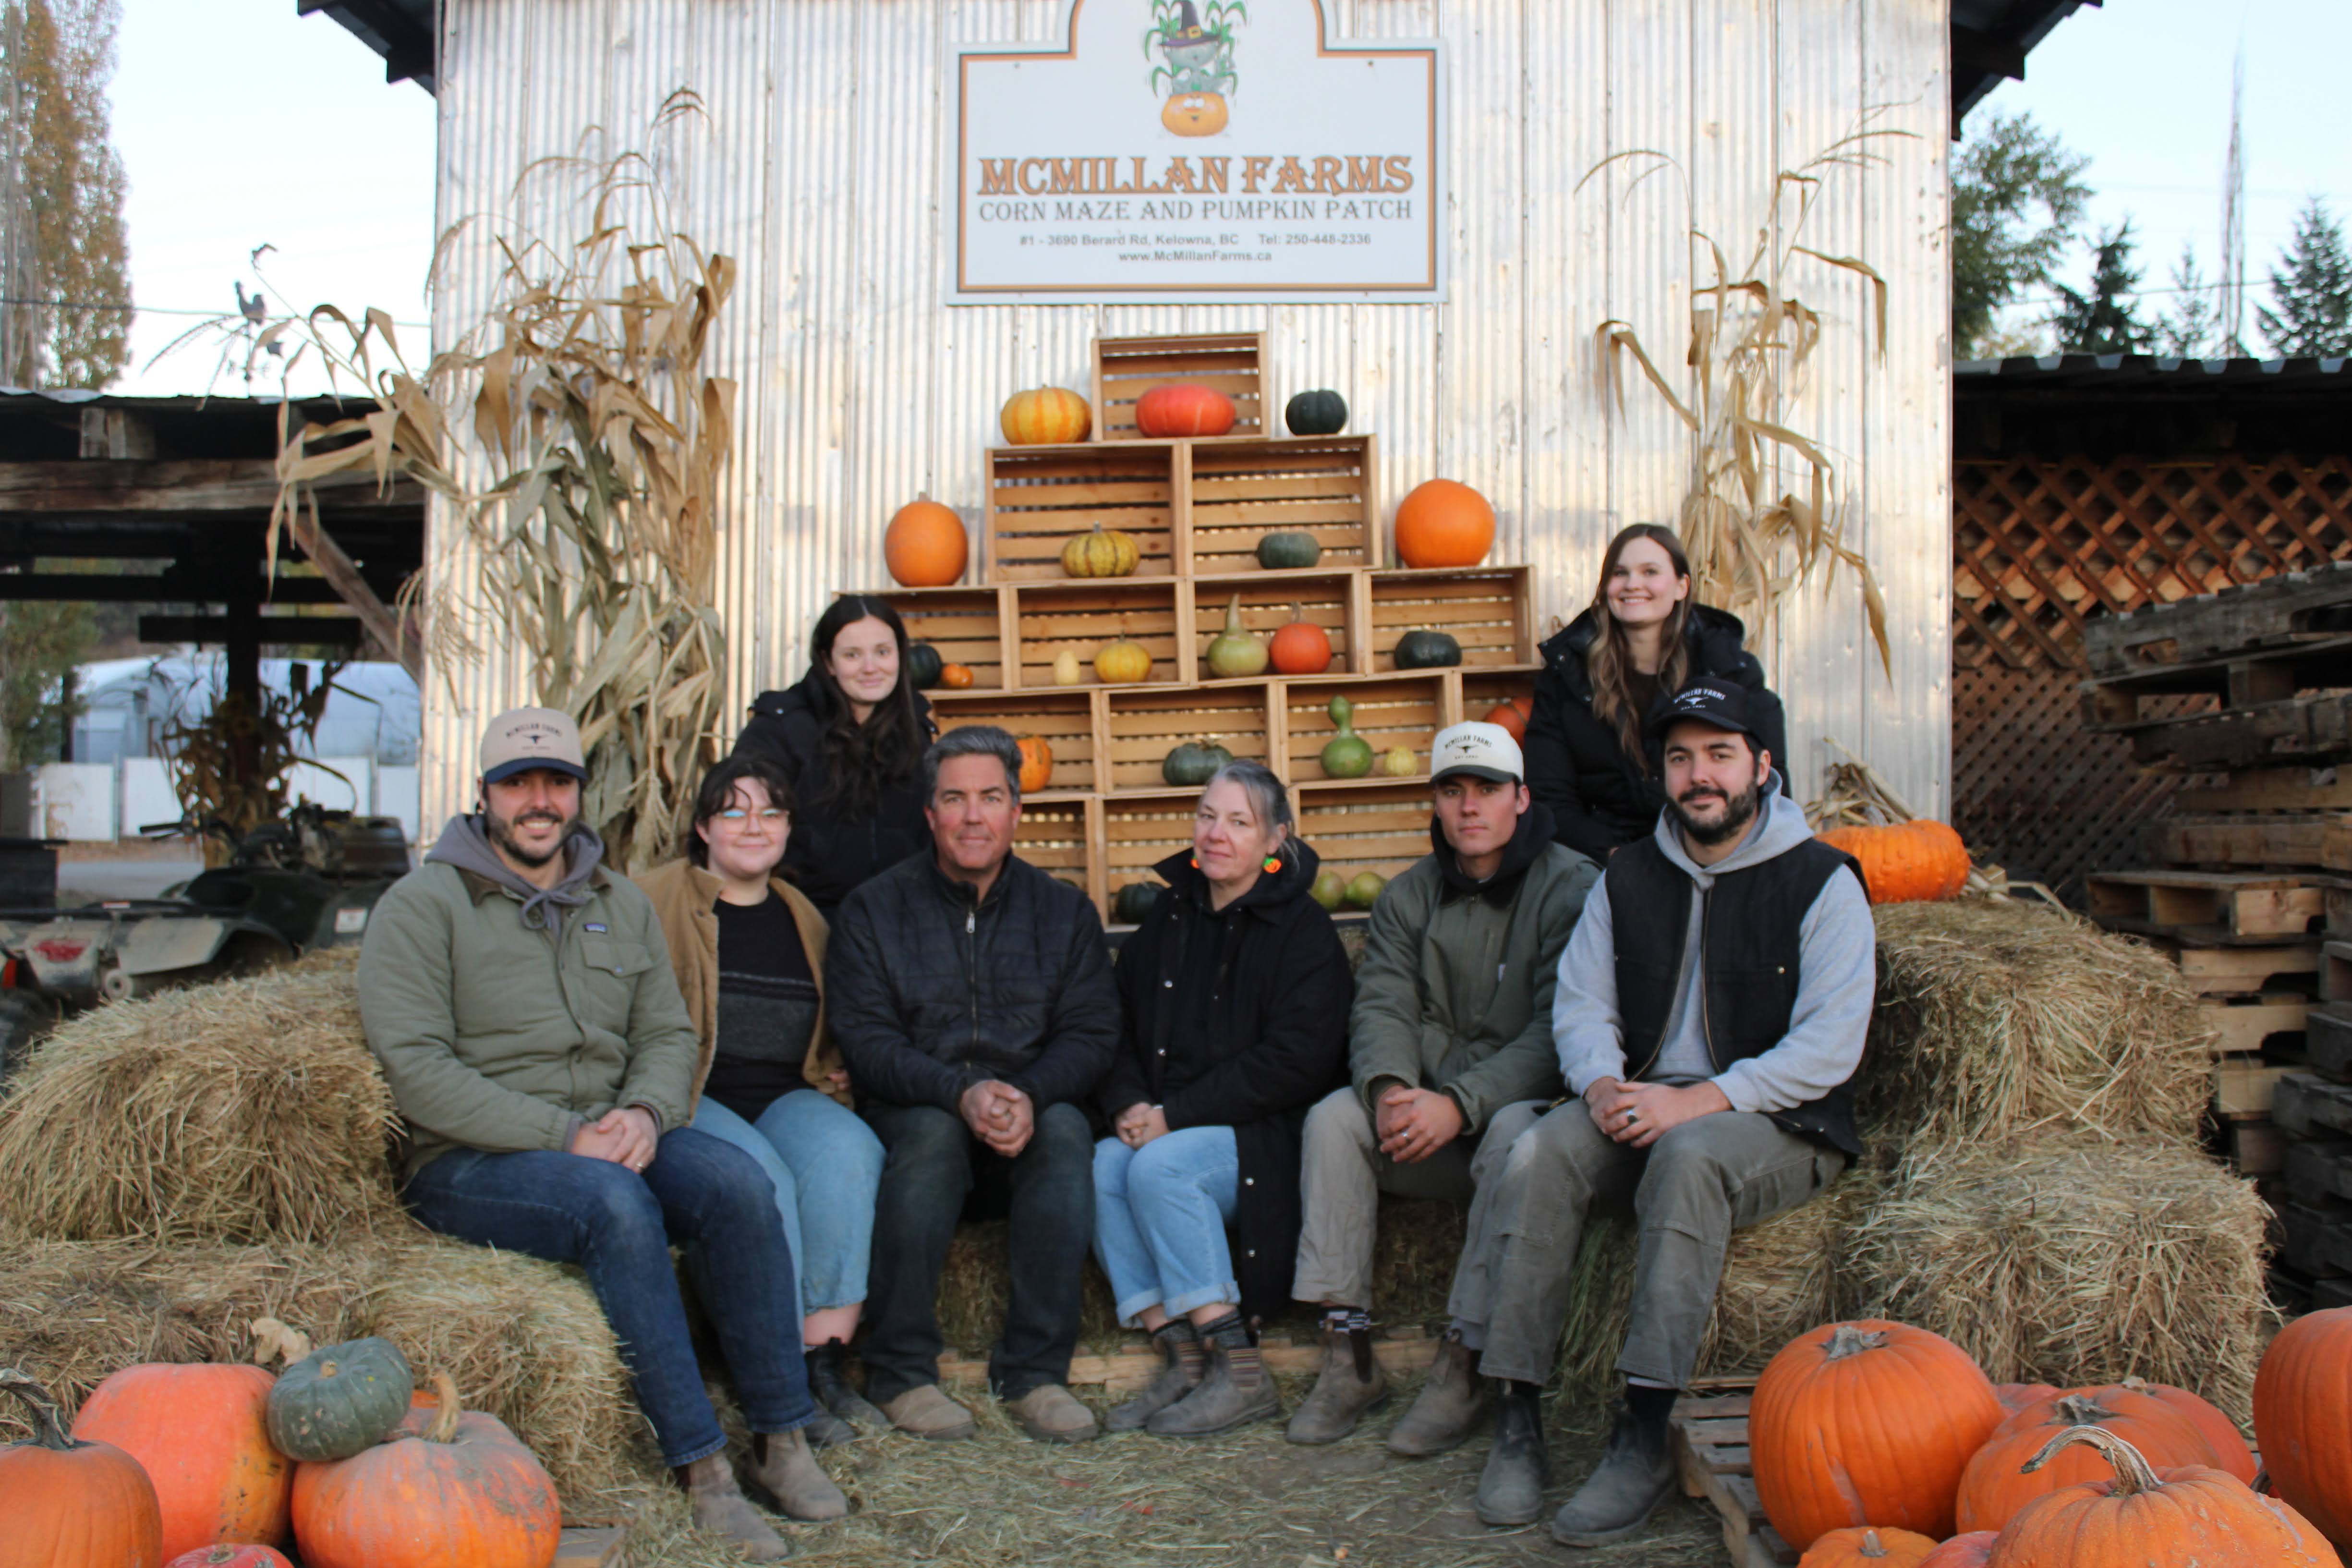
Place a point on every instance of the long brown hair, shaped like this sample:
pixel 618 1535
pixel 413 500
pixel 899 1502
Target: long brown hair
pixel 864 761
pixel 1609 657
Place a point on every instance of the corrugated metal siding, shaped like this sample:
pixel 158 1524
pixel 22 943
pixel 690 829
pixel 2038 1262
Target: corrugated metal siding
pixel 818 171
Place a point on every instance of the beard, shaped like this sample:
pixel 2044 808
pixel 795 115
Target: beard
pixel 501 834
pixel 1738 811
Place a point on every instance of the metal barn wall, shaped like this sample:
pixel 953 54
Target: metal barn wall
pixel 817 169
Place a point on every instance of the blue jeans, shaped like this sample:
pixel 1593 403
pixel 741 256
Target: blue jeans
pixel 824 1164
pixel 1161 1213
pixel 618 1226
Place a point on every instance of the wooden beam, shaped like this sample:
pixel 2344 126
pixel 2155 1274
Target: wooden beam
pixel 166 486
pixel 1974 49
pixel 277 631
pixel 399 634
pixel 169 588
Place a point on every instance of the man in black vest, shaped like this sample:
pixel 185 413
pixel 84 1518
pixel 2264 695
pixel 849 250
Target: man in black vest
pixel 1710 1015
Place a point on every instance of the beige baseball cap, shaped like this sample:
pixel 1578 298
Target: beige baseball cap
pixel 521 738
pixel 1482 751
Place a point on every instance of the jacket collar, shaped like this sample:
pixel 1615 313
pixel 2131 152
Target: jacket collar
pixel 1716 639
pixel 961 893
pixel 478 887
pixel 1528 841
pixel 1268 896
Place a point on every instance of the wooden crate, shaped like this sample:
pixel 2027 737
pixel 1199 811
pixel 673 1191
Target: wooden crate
pixel 1489 610
pixel 1365 827
pixel 966 626
pixel 1326 598
pixel 1711 1456
pixel 1142 727
pixel 1040 496
pixel 1057 836
pixel 1139 831
pixel 1063 718
pixel 1083 614
pixel 1127 368
pixel 1401 710
pixel 1238 493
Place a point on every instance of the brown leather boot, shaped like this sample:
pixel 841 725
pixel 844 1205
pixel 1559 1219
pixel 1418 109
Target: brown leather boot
pixel 783 1464
pixel 1178 1374
pixel 1235 1391
pixel 924 1412
pixel 719 1506
pixel 1454 1404
pixel 1349 1387
pixel 1052 1414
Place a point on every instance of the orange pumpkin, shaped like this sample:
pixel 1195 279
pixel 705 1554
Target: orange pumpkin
pixel 1909 862
pixel 1184 408
pixel 203 1434
pixel 1036 764
pixel 955 676
pixel 1442 523
pixel 1973 1549
pixel 1996 1485
pixel 2016 1397
pixel 924 547
pixel 2193 1516
pixel 453 1485
pixel 229 1556
pixel 1512 716
pixel 1045 416
pixel 1302 648
pixel 1866 1546
pixel 2220 1433
pixel 1195 113
pixel 2303 1418
pixel 66 1504
pixel 1867 1422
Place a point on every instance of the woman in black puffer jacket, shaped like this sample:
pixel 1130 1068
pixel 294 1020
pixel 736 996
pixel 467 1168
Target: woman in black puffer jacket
pixel 1642 640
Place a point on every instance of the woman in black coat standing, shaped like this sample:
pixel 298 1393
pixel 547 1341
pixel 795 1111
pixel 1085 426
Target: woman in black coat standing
pixel 1641 639
pixel 850 736
pixel 1234 996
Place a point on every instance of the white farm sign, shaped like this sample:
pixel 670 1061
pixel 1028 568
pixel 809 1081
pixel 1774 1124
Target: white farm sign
pixel 1195 150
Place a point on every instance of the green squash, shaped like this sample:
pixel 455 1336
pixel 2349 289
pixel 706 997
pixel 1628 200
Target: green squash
pixel 923 665
pixel 1193 763
pixel 1237 651
pixel 1365 890
pixel 1134 903
pixel 1346 755
pixel 338 1400
pixel 1330 890
pixel 1427 650
pixel 1318 413
pixel 1289 551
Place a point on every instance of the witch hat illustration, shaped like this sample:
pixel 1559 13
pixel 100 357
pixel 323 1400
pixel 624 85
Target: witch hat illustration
pixel 1190 46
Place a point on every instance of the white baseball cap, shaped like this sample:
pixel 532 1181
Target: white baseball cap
pixel 1482 751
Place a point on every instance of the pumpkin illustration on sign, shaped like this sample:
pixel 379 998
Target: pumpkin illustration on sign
pixel 1196 46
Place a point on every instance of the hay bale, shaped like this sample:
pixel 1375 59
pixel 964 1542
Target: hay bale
pixel 244 1110
pixel 2075 1261
pixel 1996 1020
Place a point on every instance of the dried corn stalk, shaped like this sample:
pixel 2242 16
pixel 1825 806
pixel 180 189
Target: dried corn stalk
pixel 1855 794
pixel 232 765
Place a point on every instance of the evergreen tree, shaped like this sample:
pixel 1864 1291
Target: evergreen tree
pixel 2312 288
pixel 2192 324
pixel 2106 320
pixel 38 643
pixel 62 190
pixel 2017 198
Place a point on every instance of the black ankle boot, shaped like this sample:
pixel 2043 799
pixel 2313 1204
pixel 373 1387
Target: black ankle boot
pixel 1518 1467
pixel 828 1376
pixel 1636 1473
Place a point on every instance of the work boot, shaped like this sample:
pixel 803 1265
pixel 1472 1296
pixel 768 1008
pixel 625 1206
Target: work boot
pixel 825 1429
pixel 783 1463
pixel 1518 1468
pixel 1052 1414
pixel 1636 1473
pixel 828 1376
pixel 1178 1374
pixel 1453 1403
pixel 718 1506
pixel 1235 1391
pixel 924 1412
pixel 1349 1387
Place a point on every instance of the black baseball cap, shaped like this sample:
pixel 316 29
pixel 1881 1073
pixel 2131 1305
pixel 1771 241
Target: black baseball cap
pixel 1720 703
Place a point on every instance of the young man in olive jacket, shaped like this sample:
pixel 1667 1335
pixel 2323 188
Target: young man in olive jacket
pixel 972 996
pixel 1450 1057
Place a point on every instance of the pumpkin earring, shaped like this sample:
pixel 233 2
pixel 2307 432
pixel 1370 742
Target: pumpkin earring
pixel 1273 864
pixel 1196 862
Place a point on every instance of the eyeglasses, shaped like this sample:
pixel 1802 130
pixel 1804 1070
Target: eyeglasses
pixel 773 816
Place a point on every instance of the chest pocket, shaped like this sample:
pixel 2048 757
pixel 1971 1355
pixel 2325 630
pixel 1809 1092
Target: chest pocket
pixel 610 956
pixel 613 967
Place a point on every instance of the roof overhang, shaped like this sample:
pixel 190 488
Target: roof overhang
pixel 403 32
pixel 1990 39
pixel 2151 405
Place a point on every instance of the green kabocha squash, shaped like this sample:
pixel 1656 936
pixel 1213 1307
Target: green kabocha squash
pixel 1237 651
pixel 1318 413
pixel 1365 890
pixel 1289 551
pixel 1346 755
pixel 1193 763
pixel 338 1400
pixel 1330 890
pixel 924 665
pixel 1135 903
pixel 1427 650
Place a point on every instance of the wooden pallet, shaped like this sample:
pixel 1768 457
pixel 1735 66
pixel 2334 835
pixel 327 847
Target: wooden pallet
pixel 2246 1086
pixel 2244 971
pixel 2327 1040
pixel 2317 1234
pixel 1710 1443
pixel 2242 1025
pixel 2230 620
pixel 2257 1147
pixel 2306 1105
pixel 591 1546
pixel 2237 682
pixel 2317 1169
pixel 1231 362
pixel 2312 730
pixel 2319 840
pixel 2214 906
pixel 2300 788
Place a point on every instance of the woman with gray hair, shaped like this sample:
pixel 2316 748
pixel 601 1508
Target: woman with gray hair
pixel 1233 996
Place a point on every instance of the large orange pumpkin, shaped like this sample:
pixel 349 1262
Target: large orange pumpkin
pixel 1996 1484
pixel 1866 1546
pixel 1044 416
pixel 1867 1422
pixel 1302 648
pixel 203 1434
pixel 1973 1549
pixel 227 1556
pixel 66 1504
pixel 450 1488
pixel 2220 1433
pixel 1442 523
pixel 2016 1397
pixel 1910 862
pixel 2303 1418
pixel 1184 408
pixel 924 547
pixel 1036 764
pixel 1195 113
pixel 2192 1517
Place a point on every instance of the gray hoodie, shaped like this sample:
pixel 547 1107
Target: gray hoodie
pixel 1826 1026
pixel 464 845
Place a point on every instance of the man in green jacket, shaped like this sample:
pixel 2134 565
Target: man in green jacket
pixel 1451 1055
pixel 522 1002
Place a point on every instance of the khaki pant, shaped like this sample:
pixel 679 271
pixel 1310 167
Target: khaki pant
pixel 1342 1174
pixel 1690 1190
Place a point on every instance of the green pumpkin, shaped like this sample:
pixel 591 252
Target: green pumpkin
pixel 1330 890
pixel 1289 551
pixel 1346 755
pixel 1237 651
pixel 1318 413
pixel 1427 650
pixel 1135 903
pixel 1365 890
pixel 923 665
pixel 338 1400
pixel 1193 763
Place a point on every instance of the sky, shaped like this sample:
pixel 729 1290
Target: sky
pixel 243 124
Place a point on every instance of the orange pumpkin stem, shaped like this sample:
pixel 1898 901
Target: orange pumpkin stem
pixel 1845 1339
pixel 46 1433
pixel 2133 1475
pixel 445 1423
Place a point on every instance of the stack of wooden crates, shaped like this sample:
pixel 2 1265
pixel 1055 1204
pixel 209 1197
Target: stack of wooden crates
pixel 2249 690
pixel 1198 508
